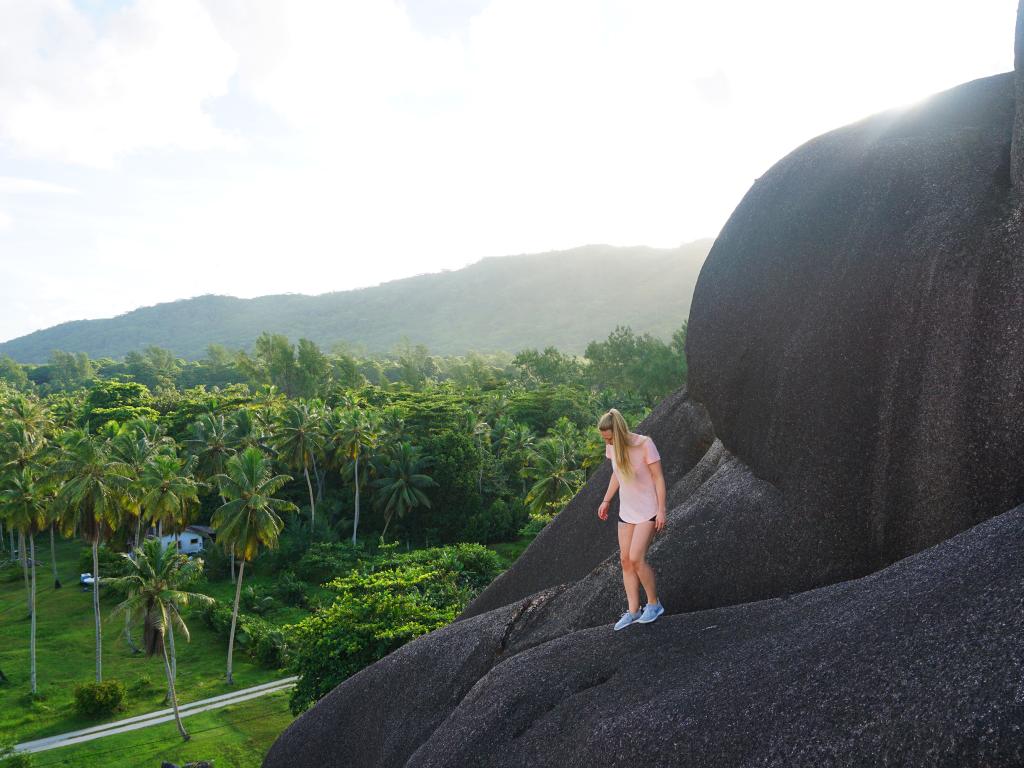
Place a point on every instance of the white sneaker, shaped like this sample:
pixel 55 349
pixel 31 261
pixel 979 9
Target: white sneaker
pixel 651 612
pixel 627 619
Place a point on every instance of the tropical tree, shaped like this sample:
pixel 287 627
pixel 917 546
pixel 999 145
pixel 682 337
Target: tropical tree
pixel 170 496
pixel 555 474
pixel 90 502
pixel 156 585
pixel 23 503
pixel 215 440
pixel 400 486
pixel 250 518
pixel 353 435
pixel 297 439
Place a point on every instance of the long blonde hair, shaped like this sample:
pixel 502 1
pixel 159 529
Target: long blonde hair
pixel 620 440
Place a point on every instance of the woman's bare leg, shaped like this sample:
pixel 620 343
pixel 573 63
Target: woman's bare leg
pixel 641 540
pixel 629 577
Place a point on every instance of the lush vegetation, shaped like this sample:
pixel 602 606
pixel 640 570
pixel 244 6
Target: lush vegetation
pixel 356 504
pixel 500 304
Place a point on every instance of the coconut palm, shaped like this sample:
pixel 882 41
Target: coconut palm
pixel 170 496
pixel 554 472
pixel 90 501
pixel 250 518
pixel 215 440
pixel 354 435
pixel 23 503
pixel 156 585
pixel 296 439
pixel 401 484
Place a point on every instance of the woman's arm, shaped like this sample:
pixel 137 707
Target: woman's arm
pixel 613 488
pixel 659 488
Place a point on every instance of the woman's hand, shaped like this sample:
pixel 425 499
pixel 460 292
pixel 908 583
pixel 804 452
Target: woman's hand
pixel 660 521
pixel 602 511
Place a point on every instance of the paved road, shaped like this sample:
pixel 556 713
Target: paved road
pixel 154 718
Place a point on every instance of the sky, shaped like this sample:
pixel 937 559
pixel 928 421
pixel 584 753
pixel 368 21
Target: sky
pixel 155 150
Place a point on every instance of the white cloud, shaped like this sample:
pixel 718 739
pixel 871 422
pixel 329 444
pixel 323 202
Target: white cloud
pixel 84 91
pixel 6 221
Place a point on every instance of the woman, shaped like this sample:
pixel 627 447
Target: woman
pixel 637 477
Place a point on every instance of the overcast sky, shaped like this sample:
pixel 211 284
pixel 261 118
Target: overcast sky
pixel 153 150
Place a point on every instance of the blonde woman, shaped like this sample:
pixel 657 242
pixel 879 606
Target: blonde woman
pixel 637 478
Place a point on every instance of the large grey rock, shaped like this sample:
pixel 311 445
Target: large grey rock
pixel 857 333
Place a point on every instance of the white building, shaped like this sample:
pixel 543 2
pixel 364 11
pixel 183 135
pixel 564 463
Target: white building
pixel 189 542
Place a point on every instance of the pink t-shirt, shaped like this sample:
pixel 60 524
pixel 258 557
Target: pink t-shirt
pixel 638 498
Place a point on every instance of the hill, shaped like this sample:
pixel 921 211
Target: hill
pixel 563 299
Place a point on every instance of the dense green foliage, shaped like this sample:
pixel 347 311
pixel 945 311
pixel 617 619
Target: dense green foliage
pixel 498 304
pixel 382 603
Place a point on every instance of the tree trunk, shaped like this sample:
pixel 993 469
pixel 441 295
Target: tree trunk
pixel 32 632
pixel 96 607
pixel 173 681
pixel 3 541
pixel 234 621
pixel 233 579
pixel 319 482
pixel 128 614
pixel 53 559
pixel 24 569
pixel 312 506
pixel 355 522
pixel 174 695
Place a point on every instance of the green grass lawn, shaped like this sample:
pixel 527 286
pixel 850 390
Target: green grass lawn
pixel 237 736
pixel 65 651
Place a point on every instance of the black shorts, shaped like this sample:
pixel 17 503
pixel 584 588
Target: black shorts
pixel 628 523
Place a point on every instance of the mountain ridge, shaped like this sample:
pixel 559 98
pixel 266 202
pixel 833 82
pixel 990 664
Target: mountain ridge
pixel 448 311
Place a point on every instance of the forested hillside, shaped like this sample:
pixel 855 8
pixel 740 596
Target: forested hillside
pixel 563 299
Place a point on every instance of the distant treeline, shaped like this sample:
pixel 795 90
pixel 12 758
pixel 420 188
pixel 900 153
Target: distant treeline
pixel 637 367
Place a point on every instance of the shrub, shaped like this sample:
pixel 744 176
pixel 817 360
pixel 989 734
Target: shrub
pixel 290 590
pixel 500 522
pixel 141 684
pixel 324 561
pixel 536 524
pixel 253 636
pixel 11 759
pixel 255 600
pixel 99 699
pixel 381 604
pixel 372 615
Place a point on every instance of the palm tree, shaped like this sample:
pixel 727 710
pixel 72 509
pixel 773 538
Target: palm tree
pixel 156 586
pixel 215 440
pixel 134 444
pixel 249 519
pixel 23 503
pixel 170 496
pixel 401 483
pixel 353 434
pixel 297 439
pixel 552 467
pixel 90 502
